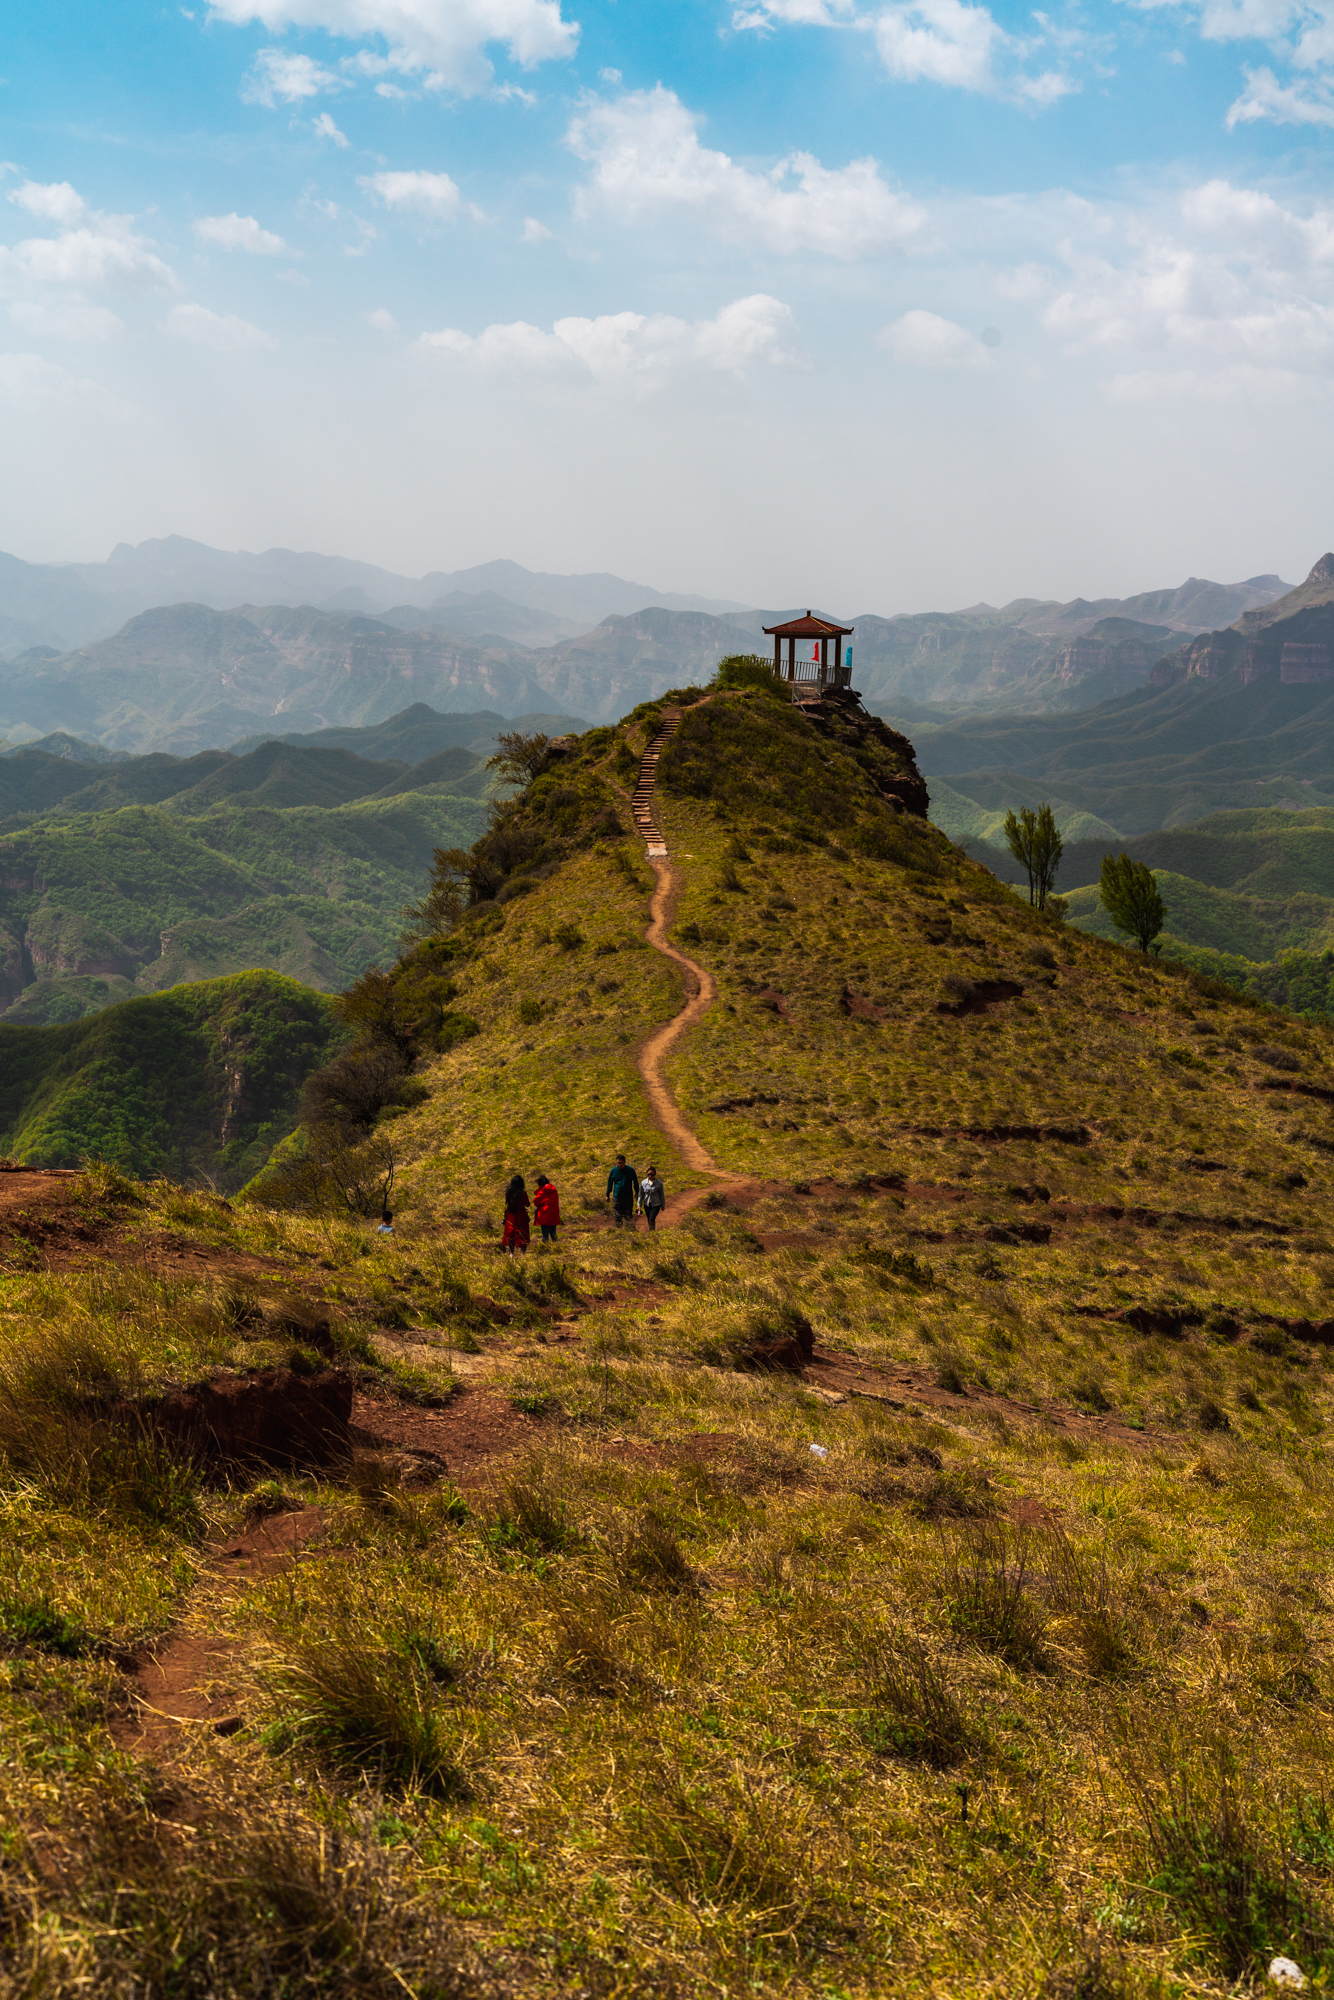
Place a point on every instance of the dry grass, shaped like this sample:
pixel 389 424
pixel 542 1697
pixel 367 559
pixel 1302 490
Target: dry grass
pixel 1021 1689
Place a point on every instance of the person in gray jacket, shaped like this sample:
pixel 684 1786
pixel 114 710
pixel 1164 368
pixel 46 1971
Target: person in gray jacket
pixel 652 1197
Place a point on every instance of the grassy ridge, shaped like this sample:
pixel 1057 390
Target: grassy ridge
pixel 1018 1684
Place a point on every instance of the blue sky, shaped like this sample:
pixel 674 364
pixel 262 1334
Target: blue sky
pixel 891 305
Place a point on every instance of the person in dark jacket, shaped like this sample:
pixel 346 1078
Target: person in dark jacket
pixel 652 1197
pixel 546 1208
pixel 622 1192
pixel 516 1216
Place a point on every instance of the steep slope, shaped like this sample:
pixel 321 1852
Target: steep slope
pixel 197 1083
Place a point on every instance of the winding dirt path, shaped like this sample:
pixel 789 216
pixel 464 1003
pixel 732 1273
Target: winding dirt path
pixel 700 994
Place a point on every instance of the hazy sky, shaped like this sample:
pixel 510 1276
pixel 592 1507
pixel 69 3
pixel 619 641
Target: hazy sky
pixel 887 306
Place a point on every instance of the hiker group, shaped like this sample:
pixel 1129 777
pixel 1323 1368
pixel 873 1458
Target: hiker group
pixel 626 1192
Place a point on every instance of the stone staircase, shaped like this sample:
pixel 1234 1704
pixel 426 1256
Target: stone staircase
pixel 642 804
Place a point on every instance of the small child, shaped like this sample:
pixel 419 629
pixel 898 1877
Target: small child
pixel 546 1208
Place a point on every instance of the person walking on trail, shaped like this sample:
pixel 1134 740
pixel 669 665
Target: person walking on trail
pixel 515 1236
pixel 652 1197
pixel 622 1192
pixel 546 1208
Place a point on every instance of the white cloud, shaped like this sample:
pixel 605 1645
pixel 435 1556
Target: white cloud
pixel 950 42
pixel 54 201
pixel 1226 284
pixel 792 13
pixel 239 232
pixel 443 38
pixel 939 41
pixel 382 321
pixel 535 231
pixel 419 193
pixel 647 159
pixel 326 129
pixel 45 278
pixel 223 331
pixel 925 340
pixel 1290 104
pixel 630 350
pixel 291 78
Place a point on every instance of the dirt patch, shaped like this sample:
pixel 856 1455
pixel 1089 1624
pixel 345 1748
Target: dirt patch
pixel 985 994
pixel 475 1428
pixel 270 1543
pixel 275 1415
pixel 176 1687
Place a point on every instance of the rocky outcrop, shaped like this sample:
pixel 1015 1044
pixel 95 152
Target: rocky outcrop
pixel 1300 663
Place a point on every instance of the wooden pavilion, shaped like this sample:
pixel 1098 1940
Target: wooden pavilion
pixel 814 670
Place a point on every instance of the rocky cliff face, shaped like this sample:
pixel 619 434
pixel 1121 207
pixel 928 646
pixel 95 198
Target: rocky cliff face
pixel 1291 640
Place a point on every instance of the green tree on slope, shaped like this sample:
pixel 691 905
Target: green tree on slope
pixel 1036 845
pixel 1130 897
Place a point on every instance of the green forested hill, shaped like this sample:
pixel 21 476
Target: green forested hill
pixel 96 907
pixel 203 1080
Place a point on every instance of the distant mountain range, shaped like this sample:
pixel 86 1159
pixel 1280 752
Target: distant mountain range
pixel 177 646
pixel 64 605
pixel 1241 718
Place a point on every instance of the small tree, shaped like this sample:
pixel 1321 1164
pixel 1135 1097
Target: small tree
pixel 1130 897
pixel 1036 845
pixel 517 757
pixel 446 898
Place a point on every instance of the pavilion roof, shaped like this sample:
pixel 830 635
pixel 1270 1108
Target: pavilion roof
pixel 808 628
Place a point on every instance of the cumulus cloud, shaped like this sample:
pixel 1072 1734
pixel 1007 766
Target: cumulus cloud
pixel 647 159
pixel 382 321
pixel 925 340
pixel 278 77
pixel 415 193
pixel 1284 104
pixel 45 279
pixel 949 42
pixel 939 41
pixel 53 201
pixel 1299 33
pixel 444 39
pixel 1226 285
pixel 239 232
pixel 630 350
pixel 325 128
pixel 535 231
pixel 223 331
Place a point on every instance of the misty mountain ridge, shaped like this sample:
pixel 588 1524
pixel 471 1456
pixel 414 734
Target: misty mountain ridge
pixel 67 605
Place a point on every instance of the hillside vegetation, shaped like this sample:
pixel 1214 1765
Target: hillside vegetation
pixel 905 1572
pixel 293 860
pixel 198 1083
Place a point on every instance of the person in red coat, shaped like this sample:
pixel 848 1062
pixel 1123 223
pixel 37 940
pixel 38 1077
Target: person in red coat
pixel 516 1216
pixel 546 1208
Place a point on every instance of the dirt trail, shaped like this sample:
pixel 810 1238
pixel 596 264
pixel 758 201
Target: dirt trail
pixel 700 991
